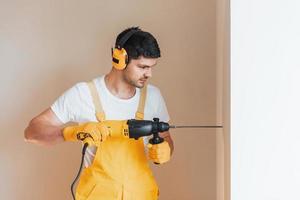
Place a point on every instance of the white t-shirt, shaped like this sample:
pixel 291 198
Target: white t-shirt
pixel 76 105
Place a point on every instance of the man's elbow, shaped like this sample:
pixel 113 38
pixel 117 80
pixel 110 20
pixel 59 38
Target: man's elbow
pixel 28 134
pixel 30 137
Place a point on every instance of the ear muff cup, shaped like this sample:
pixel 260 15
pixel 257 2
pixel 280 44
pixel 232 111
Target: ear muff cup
pixel 119 58
pixel 119 54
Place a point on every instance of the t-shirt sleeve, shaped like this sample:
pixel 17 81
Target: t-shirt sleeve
pixel 64 105
pixel 162 111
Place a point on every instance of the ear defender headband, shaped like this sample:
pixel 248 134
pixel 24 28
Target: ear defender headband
pixel 119 54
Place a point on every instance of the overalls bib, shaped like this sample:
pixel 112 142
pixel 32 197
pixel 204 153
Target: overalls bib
pixel 120 169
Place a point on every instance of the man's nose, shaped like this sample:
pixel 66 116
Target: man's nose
pixel 148 72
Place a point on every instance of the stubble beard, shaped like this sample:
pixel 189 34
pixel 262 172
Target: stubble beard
pixel 133 83
pixel 136 84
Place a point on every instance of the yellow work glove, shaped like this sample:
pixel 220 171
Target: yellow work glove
pixel 91 132
pixel 159 153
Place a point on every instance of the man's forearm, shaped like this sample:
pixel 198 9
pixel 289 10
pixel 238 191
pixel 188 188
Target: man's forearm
pixel 170 141
pixel 43 134
pixel 167 137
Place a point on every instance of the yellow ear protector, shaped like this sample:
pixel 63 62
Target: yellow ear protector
pixel 119 54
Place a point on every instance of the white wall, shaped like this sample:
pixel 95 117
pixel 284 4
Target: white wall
pixel 265 97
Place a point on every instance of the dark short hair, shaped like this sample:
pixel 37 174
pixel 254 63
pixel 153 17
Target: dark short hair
pixel 140 43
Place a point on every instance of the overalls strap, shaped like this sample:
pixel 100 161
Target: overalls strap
pixel 100 115
pixel 140 112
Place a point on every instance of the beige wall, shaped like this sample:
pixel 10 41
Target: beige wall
pixel 47 46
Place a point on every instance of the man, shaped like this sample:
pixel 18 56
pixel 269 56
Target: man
pixel 116 167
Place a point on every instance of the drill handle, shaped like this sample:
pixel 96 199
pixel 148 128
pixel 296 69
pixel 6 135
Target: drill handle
pixel 157 127
pixel 156 139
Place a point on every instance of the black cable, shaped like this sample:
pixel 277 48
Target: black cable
pixel 82 159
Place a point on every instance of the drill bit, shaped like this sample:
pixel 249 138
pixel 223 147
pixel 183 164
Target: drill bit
pixel 174 126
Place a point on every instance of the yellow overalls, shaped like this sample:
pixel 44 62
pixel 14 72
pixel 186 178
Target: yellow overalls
pixel 120 170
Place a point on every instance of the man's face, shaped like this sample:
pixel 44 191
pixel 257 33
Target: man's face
pixel 138 71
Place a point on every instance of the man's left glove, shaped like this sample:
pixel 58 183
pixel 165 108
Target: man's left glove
pixel 91 132
pixel 159 153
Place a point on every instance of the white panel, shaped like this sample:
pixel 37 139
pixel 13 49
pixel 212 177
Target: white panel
pixel 265 80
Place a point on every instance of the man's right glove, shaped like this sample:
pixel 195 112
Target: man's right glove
pixel 159 153
pixel 91 132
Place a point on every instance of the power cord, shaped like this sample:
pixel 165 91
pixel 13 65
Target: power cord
pixel 80 169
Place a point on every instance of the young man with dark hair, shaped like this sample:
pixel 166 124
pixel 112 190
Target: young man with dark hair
pixel 116 167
